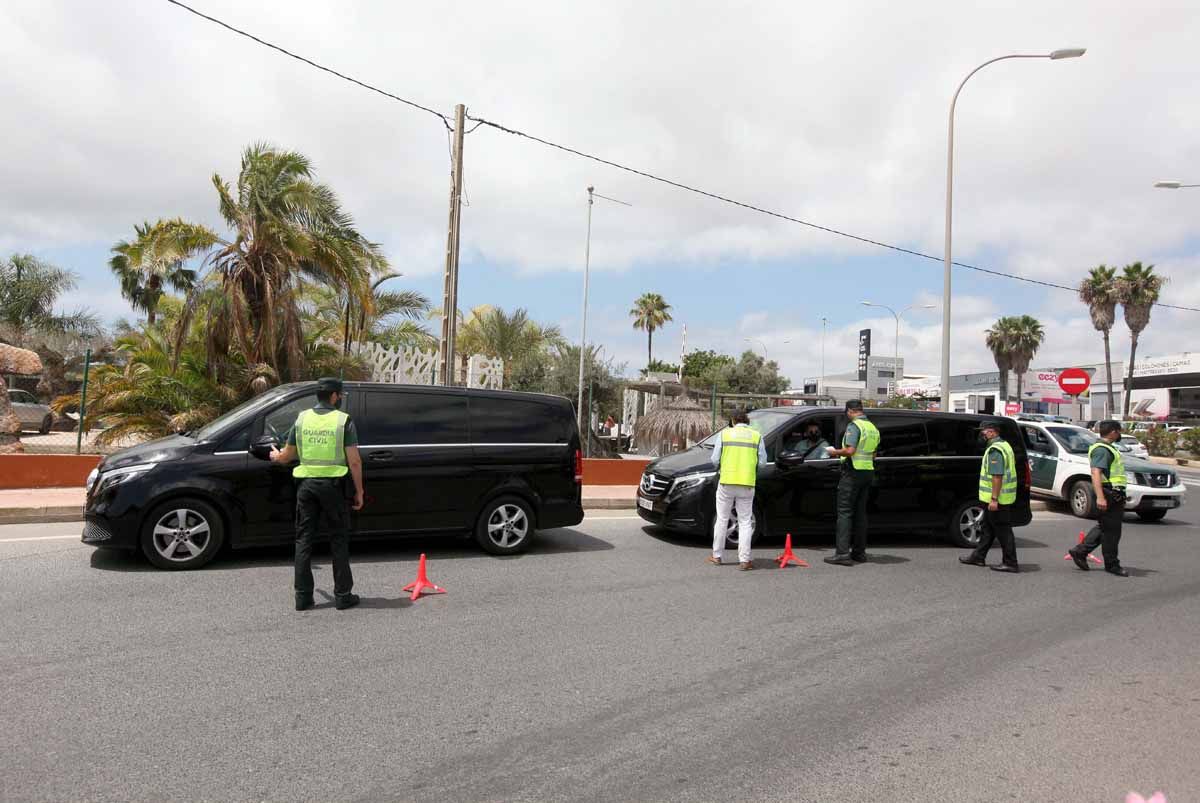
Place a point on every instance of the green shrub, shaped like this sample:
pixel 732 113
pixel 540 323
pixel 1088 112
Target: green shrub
pixel 1160 442
pixel 1191 441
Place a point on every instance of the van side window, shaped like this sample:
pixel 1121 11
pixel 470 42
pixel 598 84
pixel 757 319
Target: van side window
pixel 900 437
pixel 237 442
pixel 279 421
pixel 515 421
pixel 953 438
pixel 394 418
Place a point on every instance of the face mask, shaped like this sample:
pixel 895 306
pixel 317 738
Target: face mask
pixel 814 436
pixel 982 439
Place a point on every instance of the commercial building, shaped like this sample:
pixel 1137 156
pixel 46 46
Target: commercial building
pixel 876 381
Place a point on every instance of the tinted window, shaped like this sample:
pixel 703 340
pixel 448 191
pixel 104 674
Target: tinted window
pixel 953 437
pixel 279 421
pixel 1074 439
pixel 513 421
pixel 237 442
pixel 900 437
pixel 393 418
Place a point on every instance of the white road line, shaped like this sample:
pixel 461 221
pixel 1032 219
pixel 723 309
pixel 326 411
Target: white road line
pixel 39 538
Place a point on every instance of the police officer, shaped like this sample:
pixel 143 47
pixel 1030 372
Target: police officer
pixel 737 453
pixel 326 443
pixel 814 447
pixel 1108 481
pixel 859 444
pixel 998 490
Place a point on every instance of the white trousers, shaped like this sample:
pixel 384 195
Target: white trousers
pixel 741 499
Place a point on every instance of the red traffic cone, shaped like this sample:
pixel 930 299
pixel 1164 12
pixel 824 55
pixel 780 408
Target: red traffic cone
pixel 1091 557
pixel 788 556
pixel 422 585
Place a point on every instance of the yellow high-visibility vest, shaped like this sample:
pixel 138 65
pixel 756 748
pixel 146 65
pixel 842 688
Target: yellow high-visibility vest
pixel 320 441
pixel 739 456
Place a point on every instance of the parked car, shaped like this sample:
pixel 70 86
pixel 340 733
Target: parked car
pixel 437 460
pixel 1061 470
pixel 1135 447
pixel 927 477
pixel 33 415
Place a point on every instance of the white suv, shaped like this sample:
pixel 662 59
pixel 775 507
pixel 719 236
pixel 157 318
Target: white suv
pixel 1058 454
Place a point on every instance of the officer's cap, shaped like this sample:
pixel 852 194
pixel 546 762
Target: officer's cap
pixel 329 384
pixel 854 404
pixel 990 423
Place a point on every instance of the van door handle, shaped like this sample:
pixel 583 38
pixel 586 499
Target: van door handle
pixel 384 455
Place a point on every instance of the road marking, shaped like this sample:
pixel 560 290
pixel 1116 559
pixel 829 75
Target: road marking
pixel 38 538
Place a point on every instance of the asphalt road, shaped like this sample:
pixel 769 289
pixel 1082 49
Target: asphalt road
pixel 607 664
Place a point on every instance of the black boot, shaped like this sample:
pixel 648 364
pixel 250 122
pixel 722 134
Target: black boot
pixel 971 560
pixel 1005 567
pixel 346 601
pixel 304 602
pixel 1119 571
pixel 839 560
pixel 1080 558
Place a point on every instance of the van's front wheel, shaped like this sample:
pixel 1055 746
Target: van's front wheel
pixel 505 526
pixel 965 527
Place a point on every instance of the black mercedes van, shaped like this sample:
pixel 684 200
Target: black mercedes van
pixel 926 477
pixel 496 464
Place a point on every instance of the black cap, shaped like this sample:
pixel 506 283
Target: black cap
pixel 854 404
pixel 990 423
pixel 329 384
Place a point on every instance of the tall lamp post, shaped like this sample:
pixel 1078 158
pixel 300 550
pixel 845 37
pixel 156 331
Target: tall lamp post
pixel 1174 185
pixel 897 316
pixel 1054 55
pixel 759 342
pixel 587 261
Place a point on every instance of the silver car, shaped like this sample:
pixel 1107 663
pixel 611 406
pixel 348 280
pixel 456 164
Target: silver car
pixel 33 415
pixel 1136 447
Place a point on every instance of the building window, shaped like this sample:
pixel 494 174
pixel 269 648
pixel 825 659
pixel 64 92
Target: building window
pixel 886 374
pixel 960 405
pixel 881 391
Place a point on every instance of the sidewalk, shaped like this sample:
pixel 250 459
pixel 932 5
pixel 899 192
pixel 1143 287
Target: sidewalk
pixel 36 505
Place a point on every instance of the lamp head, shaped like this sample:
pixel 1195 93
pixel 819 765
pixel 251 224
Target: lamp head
pixel 1067 53
pixel 1168 185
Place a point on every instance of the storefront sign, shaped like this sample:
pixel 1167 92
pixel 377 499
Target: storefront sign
pixel 1185 363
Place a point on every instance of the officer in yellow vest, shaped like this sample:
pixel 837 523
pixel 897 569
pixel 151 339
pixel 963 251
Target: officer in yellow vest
pixel 998 490
pixel 1108 483
pixel 859 444
pixel 325 441
pixel 737 453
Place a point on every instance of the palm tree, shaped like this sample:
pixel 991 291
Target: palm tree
pixel 1099 292
pixel 391 317
pixel 1138 288
pixel 29 290
pixel 649 313
pixel 1025 338
pixel 155 259
pixel 998 342
pixel 286 228
pixel 508 336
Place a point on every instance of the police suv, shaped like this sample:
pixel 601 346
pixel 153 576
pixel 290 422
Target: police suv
pixel 1058 454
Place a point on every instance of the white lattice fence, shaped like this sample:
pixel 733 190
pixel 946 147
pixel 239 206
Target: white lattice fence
pixel 413 366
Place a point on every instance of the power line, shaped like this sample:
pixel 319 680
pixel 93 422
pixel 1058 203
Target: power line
pixel 310 62
pixel 651 176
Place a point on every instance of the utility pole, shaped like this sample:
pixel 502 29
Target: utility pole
pixel 587 262
pixel 450 290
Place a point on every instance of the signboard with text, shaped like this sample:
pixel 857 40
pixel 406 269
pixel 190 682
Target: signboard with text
pixel 864 351
pixel 1012 408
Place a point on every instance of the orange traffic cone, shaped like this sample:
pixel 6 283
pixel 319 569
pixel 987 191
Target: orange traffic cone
pixel 1091 557
pixel 422 585
pixel 788 556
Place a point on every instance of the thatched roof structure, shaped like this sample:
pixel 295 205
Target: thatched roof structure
pixel 671 427
pixel 19 361
pixel 13 361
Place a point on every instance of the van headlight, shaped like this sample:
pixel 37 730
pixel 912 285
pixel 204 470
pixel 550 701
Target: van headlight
pixel 91 479
pixel 120 476
pixel 689 481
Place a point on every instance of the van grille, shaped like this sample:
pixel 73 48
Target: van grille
pixel 654 485
pixel 94 531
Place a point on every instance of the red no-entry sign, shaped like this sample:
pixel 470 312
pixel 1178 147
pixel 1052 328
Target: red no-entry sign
pixel 1074 381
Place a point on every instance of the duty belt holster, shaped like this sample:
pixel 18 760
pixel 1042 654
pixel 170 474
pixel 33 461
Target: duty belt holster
pixel 1115 494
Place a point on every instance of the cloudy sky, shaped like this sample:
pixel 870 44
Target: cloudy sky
pixel 121 112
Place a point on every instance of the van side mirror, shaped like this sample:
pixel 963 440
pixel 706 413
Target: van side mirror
pixel 262 447
pixel 789 459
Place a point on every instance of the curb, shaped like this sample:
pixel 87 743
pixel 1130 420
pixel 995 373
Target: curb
pixel 40 515
pixel 609 504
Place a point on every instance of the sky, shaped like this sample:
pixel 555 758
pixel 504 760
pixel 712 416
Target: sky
pixel 836 114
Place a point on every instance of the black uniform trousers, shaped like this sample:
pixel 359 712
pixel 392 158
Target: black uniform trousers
pixel 852 492
pixel 997 526
pixel 1107 532
pixel 321 504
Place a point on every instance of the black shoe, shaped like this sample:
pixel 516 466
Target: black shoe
pixel 839 560
pixel 1119 571
pixel 1004 567
pixel 304 602
pixel 971 560
pixel 859 557
pixel 1081 559
pixel 346 601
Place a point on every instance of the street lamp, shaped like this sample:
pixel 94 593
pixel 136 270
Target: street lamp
pixel 1054 55
pixel 759 342
pixel 1173 185
pixel 897 315
pixel 821 384
pixel 587 261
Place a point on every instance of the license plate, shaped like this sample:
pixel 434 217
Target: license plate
pixel 645 503
pixel 1162 503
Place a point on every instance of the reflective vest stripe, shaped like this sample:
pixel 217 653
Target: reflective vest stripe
pixel 320 443
pixel 1008 484
pixel 863 458
pixel 739 456
pixel 1116 469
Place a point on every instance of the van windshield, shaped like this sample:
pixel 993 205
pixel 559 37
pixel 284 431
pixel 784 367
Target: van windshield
pixel 1074 439
pixel 246 409
pixel 764 421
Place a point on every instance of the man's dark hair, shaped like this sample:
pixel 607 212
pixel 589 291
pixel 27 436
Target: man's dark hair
pixel 854 404
pixel 1108 427
pixel 740 417
pixel 325 396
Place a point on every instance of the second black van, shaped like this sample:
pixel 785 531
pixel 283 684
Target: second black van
pixel 498 465
pixel 926 477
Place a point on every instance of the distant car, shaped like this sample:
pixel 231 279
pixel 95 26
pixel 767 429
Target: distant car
pixel 1058 454
pixel 33 415
pixel 1136 447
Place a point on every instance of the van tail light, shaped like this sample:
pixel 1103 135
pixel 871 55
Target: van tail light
pixel 578 467
pixel 1028 473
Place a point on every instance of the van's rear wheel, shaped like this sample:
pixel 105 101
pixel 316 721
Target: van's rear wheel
pixel 182 534
pixel 965 527
pixel 505 526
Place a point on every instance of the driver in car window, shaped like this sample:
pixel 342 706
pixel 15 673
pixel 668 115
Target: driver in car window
pixel 814 446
